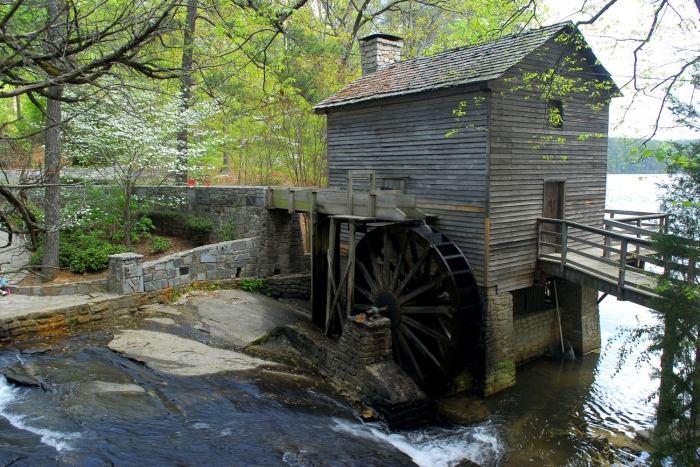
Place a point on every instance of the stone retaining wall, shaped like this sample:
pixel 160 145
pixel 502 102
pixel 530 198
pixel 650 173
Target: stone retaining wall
pixel 33 323
pixel 240 212
pixel 38 322
pixel 361 366
pixel 533 334
pixel 225 260
pixel 290 286
pixel 70 288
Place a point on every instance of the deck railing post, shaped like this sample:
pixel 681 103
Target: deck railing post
pixel 638 263
pixel 623 267
pixel 607 241
pixel 564 241
pixel 539 238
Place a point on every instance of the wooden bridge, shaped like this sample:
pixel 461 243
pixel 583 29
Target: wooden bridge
pixel 617 260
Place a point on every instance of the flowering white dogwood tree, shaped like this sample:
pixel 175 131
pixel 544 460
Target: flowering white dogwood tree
pixel 126 135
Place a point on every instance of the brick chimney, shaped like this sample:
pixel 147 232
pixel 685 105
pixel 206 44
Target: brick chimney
pixel 378 50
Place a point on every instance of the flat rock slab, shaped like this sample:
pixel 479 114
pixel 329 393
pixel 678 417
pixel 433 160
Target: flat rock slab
pixel 242 318
pixel 100 387
pixel 160 308
pixel 168 321
pixel 175 355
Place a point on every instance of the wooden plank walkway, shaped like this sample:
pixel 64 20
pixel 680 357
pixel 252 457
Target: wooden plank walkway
pixel 618 260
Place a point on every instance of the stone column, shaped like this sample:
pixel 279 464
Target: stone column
pixel 281 246
pixel 580 317
pixel 125 274
pixel 494 368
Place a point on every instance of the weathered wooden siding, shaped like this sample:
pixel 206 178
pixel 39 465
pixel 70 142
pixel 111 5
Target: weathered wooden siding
pixel 517 169
pixel 406 137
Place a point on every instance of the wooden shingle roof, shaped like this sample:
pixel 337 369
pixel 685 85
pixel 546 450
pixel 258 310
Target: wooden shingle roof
pixel 464 65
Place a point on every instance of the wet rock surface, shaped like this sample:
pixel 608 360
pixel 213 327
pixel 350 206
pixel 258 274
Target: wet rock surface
pixel 152 386
pixel 19 376
pixel 174 355
pixel 240 318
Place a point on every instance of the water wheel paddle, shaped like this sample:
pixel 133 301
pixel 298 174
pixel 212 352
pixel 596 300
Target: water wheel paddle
pixel 421 281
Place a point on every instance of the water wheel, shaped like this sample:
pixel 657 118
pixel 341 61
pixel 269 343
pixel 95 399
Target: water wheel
pixel 418 278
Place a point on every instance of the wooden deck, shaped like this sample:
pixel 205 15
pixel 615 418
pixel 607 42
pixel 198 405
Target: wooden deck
pixel 618 260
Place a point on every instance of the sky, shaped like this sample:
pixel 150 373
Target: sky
pixel 634 114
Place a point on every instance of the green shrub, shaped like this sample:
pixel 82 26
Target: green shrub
pixel 82 252
pixel 160 244
pixel 252 285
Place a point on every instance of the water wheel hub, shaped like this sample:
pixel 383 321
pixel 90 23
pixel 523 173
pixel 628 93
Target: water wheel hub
pixel 386 299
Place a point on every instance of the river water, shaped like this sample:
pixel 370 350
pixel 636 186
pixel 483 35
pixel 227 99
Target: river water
pixel 559 414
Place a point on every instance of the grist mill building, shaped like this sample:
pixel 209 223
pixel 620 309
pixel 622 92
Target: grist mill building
pixel 469 135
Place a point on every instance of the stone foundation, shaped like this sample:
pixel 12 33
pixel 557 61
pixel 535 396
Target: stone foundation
pixel 580 316
pixel 494 368
pixel 533 333
pixel 361 366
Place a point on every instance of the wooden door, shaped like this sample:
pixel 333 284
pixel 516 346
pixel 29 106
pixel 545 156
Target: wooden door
pixel 553 207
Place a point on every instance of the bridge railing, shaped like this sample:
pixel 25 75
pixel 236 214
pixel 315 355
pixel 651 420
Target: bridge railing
pixel 602 253
pixel 640 224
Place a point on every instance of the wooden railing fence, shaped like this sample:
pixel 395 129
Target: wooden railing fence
pixel 618 253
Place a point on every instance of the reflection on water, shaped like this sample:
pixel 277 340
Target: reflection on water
pixel 565 413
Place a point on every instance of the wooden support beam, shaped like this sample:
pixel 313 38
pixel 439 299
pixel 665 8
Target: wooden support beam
pixel 290 201
pixel 623 267
pixel 350 289
pixel 330 286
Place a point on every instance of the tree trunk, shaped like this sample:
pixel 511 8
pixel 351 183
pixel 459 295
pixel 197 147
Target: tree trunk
pixel 226 167
pixel 127 213
pixel 665 411
pixel 52 159
pixel 186 88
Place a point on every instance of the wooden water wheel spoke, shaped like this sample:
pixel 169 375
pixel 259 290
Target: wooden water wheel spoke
pixel 444 328
pixel 399 263
pixel 420 290
pixel 374 287
pixel 426 268
pixel 366 293
pixel 407 350
pixel 413 271
pixel 375 267
pixel 435 313
pixel 424 329
pixel 425 310
pixel 420 346
pixel 386 260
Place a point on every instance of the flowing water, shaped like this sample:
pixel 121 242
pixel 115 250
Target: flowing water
pixel 99 409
